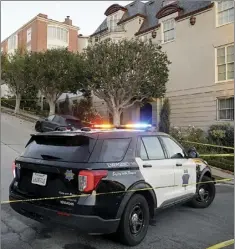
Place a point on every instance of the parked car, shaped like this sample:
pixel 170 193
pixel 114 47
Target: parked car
pixel 118 180
pixel 57 123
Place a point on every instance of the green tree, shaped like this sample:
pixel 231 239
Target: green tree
pixel 16 73
pixel 57 71
pixel 164 124
pixel 125 73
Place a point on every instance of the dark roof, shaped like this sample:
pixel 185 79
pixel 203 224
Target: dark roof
pixel 149 10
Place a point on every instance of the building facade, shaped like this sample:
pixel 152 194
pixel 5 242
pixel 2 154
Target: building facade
pixel 40 34
pixel 198 37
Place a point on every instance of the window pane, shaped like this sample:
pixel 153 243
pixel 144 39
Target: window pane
pixel 220 6
pixel 113 150
pixel 222 104
pixel 230 15
pixel 143 154
pixel 230 54
pixel 153 147
pixel 222 72
pixel 230 114
pixel 230 72
pixel 222 114
pixel 173 149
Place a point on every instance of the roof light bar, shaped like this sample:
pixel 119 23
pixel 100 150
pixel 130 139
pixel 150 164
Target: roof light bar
pixel 138 125
pixel 103 126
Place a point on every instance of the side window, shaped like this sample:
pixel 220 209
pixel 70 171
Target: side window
pixel 143 153
pixel 173 149
pixel 56 119
pixel 113 150
pixel 50 118
pixel 153 148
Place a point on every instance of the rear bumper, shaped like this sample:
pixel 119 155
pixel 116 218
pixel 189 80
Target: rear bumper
pixel 83 223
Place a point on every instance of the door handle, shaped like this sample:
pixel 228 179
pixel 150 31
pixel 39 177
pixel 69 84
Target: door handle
pixel 147 166
pixel 178 164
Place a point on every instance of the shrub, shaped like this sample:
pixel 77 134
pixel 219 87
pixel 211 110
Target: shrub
pixel 164 124
pixel 9 102
pixel 221 134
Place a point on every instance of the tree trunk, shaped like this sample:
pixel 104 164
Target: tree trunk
pixel 52 107
pixel 17 106
pixel 116 117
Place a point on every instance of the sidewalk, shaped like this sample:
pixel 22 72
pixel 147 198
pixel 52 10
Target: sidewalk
pixel 24 115
pixel 225 175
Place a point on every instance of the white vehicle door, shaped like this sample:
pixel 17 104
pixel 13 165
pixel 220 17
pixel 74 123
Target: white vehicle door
pixel 184 168
pixel 155 168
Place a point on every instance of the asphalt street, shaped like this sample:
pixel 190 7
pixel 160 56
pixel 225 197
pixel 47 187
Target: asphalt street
pixel 179 227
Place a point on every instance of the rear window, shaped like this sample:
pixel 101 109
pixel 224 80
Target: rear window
pixel 61 148
pixel 74 123
pixel 113 150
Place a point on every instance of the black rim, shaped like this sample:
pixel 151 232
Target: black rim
pixel 136 220
pixel 204 193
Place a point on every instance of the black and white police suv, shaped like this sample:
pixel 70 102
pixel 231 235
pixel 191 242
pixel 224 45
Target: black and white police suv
pixel 109 180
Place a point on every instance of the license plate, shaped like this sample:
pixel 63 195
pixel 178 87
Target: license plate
pixel 39 179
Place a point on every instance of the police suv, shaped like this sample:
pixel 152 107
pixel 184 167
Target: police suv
pixel 107 180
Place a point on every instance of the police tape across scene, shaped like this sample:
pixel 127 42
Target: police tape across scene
pixel 113 192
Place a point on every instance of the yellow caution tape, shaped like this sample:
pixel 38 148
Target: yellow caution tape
pixel 211 145
pixel 217 155
pixel 222 244
pixel 114 192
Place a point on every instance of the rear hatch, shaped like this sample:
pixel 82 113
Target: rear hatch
pixel 50 165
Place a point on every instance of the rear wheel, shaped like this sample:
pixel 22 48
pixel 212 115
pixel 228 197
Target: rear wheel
pixel 135 221
pixel 205 194
pixel 38 127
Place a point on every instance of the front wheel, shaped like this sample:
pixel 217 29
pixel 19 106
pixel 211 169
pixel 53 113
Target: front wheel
pixel 135 221
pixel 205 193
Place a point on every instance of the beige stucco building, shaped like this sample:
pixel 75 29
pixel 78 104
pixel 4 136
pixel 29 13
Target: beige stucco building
pixel 198 37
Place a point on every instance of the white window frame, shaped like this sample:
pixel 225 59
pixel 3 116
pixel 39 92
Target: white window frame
pixel 225 63
pixel 224 109
pixel 29 34
pixel 223 10
pixel 56 33
pixel 163 31
pixel 12 42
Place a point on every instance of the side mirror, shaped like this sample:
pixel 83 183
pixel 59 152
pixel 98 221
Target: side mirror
pixel 192 153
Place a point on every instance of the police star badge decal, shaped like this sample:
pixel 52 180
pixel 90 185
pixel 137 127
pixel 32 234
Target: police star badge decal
pixel 185 178
pixel 69 175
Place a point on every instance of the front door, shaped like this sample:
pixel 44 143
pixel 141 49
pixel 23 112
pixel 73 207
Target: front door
pixel 155 169
pixel 184 168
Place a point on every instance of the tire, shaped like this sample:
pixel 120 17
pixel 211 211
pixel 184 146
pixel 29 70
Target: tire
pixel 126 233
pixel 38 127
pixel 208 196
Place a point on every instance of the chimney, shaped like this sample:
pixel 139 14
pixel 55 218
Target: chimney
pixel 68 21
pixel 42 15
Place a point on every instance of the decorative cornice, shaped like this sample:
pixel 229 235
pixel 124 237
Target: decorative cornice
pixel 114 8
pixel 195 12
pixel 148 29
pixel 131 17
pixel 99 32
pixel 168 10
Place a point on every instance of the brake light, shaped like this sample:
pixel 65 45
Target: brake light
pixel 14 169
pixel 88 180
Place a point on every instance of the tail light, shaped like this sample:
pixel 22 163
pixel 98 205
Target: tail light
pixel 14 169
pixel 88 180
